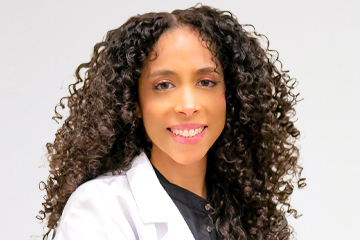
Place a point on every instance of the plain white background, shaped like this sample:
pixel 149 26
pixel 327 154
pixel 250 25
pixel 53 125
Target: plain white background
pixel 42 43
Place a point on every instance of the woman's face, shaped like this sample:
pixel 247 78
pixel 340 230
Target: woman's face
pixel 181 87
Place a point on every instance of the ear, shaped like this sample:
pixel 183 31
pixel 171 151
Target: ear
pixel 138 110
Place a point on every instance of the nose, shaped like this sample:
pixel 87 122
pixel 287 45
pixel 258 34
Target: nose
pixel 187 103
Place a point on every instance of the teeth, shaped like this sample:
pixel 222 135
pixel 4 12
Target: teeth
pixel 187 133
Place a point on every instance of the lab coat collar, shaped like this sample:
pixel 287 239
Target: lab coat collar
pixel 153 203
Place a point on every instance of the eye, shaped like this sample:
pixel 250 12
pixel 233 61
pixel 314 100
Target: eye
pixel 164 84
pixel 160 86
pixel 207 83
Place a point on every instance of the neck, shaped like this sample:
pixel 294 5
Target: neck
pixel 191 177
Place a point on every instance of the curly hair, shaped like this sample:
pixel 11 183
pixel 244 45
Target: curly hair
pixel 254 161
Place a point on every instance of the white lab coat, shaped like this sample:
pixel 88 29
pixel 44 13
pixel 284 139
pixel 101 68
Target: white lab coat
pixel 132 205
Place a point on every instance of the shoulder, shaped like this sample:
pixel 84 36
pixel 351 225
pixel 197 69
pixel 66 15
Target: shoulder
pixel 103 192
pixel 97 207
pixel 101 187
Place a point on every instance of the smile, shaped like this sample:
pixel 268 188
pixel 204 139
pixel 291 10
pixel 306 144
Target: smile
pixel 188 139
pixel 187 132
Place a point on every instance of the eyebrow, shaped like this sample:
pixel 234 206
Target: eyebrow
pixel 171 73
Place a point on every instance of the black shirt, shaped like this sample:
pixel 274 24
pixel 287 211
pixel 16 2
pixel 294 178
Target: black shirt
pixel 194 209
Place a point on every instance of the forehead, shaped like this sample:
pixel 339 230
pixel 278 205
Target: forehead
pixel 178 37
pixel 183 47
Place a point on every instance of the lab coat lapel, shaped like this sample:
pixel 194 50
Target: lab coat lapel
pixel 153 202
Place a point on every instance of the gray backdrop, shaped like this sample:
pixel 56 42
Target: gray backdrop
pixel 42 43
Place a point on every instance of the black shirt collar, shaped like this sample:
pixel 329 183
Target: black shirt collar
pixel 183 195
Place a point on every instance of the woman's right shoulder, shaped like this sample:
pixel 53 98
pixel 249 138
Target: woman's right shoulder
pixel 105 186
pixel 98 205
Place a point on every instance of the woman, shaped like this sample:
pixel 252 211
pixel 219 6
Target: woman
pixel 180 129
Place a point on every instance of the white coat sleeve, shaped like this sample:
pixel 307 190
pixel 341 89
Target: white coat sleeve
pixel 89 214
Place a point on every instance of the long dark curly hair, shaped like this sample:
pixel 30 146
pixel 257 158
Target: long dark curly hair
pixel 253 163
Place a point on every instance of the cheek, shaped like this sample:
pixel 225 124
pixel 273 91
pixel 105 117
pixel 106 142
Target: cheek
pixel 220 102
pixel 148 110
pixel 153 113
pixel 220 108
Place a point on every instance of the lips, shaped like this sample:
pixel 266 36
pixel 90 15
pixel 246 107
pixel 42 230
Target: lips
pixel 187 126
pixel 191 140
pixel 184 129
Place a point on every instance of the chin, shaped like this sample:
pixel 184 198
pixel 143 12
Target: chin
pixel 188 159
